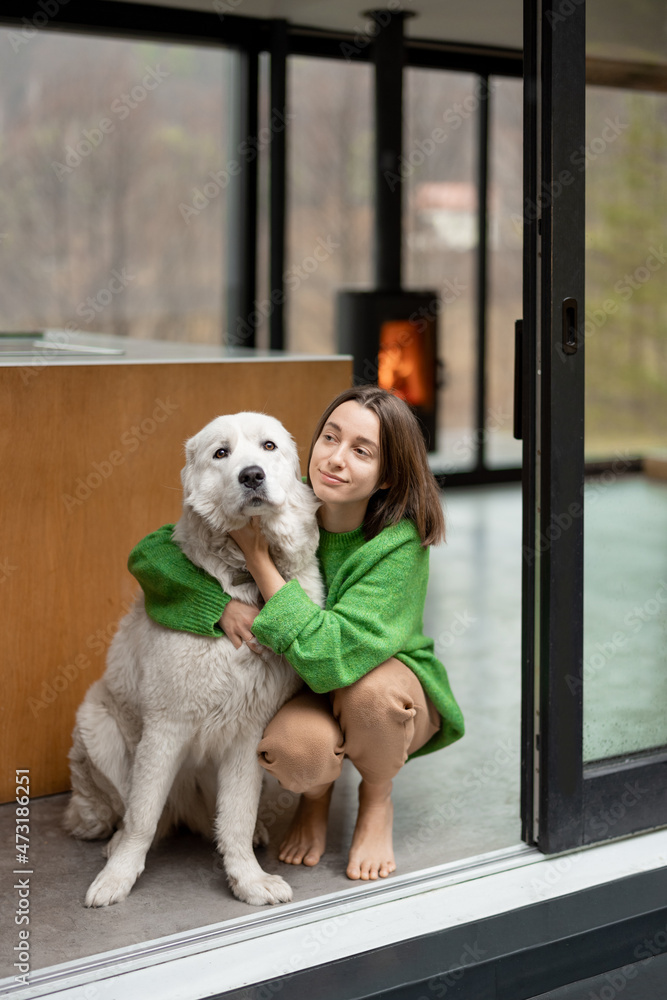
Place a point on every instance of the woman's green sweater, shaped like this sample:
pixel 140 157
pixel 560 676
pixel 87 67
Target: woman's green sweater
pixel 374 609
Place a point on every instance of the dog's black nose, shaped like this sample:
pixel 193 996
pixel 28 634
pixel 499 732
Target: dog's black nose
pixel 251 477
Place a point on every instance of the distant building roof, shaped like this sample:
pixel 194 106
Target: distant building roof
pixel 454 196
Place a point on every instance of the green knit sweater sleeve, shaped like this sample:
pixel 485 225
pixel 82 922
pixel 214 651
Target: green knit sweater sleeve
pixel 374 610
pixel 178 594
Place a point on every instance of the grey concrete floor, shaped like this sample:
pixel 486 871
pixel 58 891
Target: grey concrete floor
pixel 457 803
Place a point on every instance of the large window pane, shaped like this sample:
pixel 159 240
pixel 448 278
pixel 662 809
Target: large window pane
pixel 505 233
pixel 625 596
pixel 440 170
pixel 329 195
pixel 114 176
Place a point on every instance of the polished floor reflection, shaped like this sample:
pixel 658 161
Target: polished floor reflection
pixel 459 802
pixel 625 615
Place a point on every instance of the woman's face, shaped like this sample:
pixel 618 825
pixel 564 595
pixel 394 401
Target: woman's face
pixel 345 463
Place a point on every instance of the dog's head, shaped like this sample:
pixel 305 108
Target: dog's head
pixel 239 466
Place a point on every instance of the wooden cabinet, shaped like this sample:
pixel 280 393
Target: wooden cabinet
pixel 91 457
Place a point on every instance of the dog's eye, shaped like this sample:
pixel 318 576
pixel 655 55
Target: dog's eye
pixel 221 453
pixel 269 446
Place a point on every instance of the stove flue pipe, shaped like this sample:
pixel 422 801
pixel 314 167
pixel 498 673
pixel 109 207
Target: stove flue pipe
pixel 388 59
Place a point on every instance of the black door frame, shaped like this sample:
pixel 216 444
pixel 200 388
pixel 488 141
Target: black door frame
pixel 554 127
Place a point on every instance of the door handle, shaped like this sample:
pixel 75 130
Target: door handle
pixel 518 379
pixel 570 326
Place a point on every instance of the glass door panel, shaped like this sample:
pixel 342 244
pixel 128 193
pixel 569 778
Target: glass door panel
pixel 625 512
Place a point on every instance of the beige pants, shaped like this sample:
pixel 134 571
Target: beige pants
pixel 376 722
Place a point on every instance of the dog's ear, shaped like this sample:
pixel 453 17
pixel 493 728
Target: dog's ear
pixel 188 469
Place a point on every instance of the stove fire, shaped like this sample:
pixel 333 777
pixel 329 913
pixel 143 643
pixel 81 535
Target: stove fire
pixel 405 362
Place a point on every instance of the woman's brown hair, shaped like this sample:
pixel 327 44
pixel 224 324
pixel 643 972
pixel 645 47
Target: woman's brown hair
pixel 413 492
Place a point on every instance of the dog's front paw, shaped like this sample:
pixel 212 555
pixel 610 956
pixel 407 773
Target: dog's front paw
pixel 109 887
pixel 260 891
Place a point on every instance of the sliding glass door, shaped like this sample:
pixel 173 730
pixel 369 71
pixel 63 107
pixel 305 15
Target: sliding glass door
pixel 594 563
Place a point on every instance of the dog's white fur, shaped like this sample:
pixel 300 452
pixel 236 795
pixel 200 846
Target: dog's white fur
pixel 169 734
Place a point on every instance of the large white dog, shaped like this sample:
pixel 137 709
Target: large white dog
pixel 169 734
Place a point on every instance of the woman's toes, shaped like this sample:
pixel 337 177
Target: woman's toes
pixel 353 870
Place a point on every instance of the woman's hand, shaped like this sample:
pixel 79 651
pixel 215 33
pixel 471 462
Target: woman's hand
pixel 236 623
pixel 250 540
pixel 261 566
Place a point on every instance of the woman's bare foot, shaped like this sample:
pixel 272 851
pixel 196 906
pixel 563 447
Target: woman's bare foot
pixel 307 836
pixel 372 852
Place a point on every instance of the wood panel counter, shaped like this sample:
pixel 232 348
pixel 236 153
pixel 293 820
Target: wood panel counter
pixel 92 449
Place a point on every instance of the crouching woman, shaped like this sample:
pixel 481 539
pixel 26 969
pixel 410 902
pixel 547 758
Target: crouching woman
pixel 375 691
